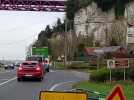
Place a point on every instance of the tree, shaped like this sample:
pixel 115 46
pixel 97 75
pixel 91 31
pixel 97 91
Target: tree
pixel 48 32
pixel 119 8
pixel 57 47
pixel 72 7
pixel 118 33
pixel 59 26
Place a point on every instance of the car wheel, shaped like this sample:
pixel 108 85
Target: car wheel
pixel 40 79
pixel 19 79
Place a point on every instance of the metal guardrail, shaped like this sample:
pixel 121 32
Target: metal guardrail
pixel 96 96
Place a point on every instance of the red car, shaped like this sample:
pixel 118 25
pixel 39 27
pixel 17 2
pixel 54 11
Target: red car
pixel 30 69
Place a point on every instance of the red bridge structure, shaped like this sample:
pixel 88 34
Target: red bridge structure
pixel 33 5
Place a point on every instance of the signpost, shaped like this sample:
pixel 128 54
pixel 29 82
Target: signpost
pixel 120 63
pixel 110 65
pixel 116 94
pixel 43 51
pixel 53 95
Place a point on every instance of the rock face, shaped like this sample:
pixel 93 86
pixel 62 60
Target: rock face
pixel 129 14
pixel 92 20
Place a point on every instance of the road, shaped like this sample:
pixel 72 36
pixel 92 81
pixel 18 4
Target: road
pixel 10 89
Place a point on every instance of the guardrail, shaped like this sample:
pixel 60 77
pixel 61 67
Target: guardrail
pixel 93 95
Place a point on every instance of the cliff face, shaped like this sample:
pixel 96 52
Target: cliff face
pixel 92 20
pixel 129 14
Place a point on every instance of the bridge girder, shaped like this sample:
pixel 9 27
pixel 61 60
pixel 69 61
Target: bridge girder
pixel 33 5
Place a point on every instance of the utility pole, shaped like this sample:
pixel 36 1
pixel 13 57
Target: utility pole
pixel 65 44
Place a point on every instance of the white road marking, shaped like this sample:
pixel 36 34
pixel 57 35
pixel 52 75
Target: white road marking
pixel 58 84
pixel 4 79
pixel 52 71
pixel 8 71
pixel 12 79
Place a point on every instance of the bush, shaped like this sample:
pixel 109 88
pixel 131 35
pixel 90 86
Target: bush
pixel 78 65
pixel 131 74
pixel 99 75
pixel 59 65
pixel 102 75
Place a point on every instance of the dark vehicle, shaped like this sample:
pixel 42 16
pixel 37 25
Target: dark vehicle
pixel 30 69
pixel 17 64
pixel 35 58
pixel 9 67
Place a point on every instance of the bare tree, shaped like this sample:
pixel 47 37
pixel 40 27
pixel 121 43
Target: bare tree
pixel 118 33
pixel 57 47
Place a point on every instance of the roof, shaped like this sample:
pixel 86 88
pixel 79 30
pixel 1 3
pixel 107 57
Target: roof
pixel 93 51
pixel 111 48
pixel 89 50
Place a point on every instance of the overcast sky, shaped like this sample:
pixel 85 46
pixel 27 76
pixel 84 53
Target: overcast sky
pixel 18 29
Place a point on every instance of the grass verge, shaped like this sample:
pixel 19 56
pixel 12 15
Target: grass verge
pixel 107 87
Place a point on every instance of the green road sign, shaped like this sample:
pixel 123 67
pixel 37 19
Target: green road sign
pixel 42 51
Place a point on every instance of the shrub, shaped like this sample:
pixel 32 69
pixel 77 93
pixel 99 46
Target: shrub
pixel 130 73
pixel 102 75
pixel 59 65
pixel 99 75
pixel 78 65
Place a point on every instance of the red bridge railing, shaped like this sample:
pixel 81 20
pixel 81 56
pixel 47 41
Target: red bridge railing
pixel 33 5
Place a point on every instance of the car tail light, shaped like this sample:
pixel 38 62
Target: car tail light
pixel 20 68
pixel 38 69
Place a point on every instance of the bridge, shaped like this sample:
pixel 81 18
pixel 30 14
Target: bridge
pixel 33 5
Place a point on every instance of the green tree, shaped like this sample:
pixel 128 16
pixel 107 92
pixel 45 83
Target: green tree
pixel 48 32
pixel 72 7
pixel 59 26
pixel 105 5
pixel 119 8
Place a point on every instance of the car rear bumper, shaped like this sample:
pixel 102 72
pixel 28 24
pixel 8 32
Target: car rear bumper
pixel 30 75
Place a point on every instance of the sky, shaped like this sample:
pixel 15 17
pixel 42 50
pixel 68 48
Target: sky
pixel 18 29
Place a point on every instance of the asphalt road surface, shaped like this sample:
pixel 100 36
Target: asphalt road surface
pixel 10 89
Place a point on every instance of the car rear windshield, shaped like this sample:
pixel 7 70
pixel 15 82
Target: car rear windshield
pixel 29 64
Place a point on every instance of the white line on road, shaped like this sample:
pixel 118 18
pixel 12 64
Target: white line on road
pixel 2 72
pixel 3 79
pixel 52 71
pixel 58 84
pixel 8 81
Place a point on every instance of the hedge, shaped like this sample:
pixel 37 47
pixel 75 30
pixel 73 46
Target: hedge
pixel 102 75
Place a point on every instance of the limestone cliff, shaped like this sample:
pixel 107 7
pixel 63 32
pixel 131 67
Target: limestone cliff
pixel 92 20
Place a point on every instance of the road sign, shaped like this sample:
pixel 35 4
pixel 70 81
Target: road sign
pixel 110 64
pixel 122 63
pixel 53 95
pixel 118 63
pixel 116 94
pixel 42 51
